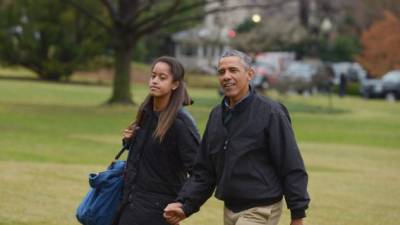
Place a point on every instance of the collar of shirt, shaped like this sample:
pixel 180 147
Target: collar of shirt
pixel 241 105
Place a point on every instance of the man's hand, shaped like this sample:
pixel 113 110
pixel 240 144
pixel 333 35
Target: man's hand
pixel 297 222
pixel 173 213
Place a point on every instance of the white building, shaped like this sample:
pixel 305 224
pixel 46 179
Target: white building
pixel 199 48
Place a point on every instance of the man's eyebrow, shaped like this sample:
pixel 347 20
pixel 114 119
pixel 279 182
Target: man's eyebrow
pixel 232 68
pixel 229 67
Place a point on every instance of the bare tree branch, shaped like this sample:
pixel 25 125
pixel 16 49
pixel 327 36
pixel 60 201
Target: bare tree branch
pixel 111 10
pixel 127 10
pixel 304 11
pixel 192 6
pixel 145 7
pixel 181 20
pixel 232 8
pixel 88 14
pixel 157 19
pixel 148 4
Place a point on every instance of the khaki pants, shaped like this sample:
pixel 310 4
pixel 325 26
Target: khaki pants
pixel 263 215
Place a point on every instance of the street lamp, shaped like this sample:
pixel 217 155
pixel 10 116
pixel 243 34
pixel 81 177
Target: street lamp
pixel 326 25
pixel 256 18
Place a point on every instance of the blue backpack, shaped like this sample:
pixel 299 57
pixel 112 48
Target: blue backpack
pixel 101 203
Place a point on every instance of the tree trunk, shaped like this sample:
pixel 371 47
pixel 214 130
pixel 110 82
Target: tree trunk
pixel 304 13
pixel 121 86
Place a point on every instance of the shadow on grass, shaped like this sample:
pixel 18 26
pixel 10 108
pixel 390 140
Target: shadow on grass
pixel 326 169
pixel 84 83
pixel 293 107
pixel 313 109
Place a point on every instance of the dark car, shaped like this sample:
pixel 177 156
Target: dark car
pixel 387 87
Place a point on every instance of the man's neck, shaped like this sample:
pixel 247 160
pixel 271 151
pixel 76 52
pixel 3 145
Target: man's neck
pixel 234 101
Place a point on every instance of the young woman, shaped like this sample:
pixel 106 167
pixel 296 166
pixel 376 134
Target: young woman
pixel 163 143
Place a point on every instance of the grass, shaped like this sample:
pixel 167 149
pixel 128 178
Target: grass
pixel 100 77
pixel 53 135
pixel 15 72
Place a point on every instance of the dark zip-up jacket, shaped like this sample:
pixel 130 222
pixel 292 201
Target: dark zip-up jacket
pixel 161 168
pixel 252 161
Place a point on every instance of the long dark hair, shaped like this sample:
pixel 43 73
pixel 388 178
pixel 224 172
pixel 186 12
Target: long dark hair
pixel 179 98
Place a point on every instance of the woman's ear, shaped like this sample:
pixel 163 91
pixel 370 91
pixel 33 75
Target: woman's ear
pixel 175 85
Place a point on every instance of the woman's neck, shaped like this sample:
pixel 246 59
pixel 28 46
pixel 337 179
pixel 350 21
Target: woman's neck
pixel 159 104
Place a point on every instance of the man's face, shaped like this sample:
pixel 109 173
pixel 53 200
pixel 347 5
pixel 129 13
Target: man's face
pixel 234 77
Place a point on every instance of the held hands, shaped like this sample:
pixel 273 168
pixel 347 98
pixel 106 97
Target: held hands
pixel 173 213
pixel 296 222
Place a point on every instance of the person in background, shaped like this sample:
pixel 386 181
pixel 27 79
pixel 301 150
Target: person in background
pixel 248 153
pixel 342 85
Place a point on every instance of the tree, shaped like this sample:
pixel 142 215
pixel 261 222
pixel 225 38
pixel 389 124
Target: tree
pixel 127 21
pixel 272 35
pixel 47 37
pixel 381 46
pixel 130 20
pixel 342 48
pixel 371 10
pixel 303 31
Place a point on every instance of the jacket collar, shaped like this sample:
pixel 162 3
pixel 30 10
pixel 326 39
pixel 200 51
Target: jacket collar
pixel 241 105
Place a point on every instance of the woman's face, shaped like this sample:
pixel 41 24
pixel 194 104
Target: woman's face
pixel 161 82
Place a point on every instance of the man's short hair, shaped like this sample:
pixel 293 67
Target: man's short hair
pixel 243 56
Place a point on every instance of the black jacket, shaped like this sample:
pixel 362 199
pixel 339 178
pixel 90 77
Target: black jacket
pixel 161 167
pixel 253 161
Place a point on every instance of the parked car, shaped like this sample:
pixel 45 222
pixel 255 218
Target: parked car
pixel 306 77
pixel 260 83
pixel 353 71
pixel 387 87
pixel 268 66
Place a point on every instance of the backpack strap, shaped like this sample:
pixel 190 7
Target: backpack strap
pixel 189 121
pixel 124 147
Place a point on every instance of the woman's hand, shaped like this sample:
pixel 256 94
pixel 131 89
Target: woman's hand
pixel 173 213
pixel 129 132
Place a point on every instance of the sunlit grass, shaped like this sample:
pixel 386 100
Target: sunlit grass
pixel 53 135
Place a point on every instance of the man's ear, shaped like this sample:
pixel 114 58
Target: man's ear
pixel 175 85
pixel 250 73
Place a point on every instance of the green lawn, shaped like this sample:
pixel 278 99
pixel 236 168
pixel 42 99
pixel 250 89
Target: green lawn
pixel 53 135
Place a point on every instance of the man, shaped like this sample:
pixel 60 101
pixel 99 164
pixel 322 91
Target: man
pixel 249 153
pixel 342 85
